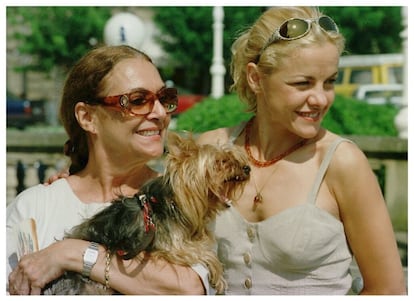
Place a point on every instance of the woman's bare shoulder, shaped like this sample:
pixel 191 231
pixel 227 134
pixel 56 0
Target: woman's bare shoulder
pixel 347 157
pixel 217 136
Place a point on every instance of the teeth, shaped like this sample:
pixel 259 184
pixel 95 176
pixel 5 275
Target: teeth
pixel 149 133
pixel 311 115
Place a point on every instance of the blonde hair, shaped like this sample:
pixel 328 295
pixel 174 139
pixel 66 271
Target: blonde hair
pixel 248 47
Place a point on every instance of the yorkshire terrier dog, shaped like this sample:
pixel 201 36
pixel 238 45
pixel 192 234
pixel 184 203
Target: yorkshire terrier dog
pixel 169 216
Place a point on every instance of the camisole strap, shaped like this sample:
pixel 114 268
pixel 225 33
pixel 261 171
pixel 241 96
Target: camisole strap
pixel 237 131
pixel 322 169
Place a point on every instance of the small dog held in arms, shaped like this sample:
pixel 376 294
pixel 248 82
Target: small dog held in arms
pixel 168 217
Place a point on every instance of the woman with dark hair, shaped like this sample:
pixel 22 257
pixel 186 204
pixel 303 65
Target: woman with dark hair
pixel 116 110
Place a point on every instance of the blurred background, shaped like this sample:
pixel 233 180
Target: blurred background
pixel 191 47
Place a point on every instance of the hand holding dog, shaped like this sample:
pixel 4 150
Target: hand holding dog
pixel 36 269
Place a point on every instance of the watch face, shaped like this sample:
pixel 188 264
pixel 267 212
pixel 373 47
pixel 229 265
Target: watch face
pixel 90 256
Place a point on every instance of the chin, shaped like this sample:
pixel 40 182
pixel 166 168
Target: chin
pixel 156 153
pixel 309 133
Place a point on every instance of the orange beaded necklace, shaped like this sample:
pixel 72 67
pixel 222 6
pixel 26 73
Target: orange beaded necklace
pixel 258 197
pixel 267 162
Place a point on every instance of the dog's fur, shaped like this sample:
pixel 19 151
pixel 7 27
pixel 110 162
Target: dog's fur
pixel 169 216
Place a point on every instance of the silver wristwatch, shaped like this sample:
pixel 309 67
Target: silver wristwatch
pixel 90 256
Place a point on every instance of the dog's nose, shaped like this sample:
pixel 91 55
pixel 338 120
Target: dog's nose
pixel 246 169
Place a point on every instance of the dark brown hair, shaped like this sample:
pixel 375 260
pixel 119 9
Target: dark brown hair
pixel 85 82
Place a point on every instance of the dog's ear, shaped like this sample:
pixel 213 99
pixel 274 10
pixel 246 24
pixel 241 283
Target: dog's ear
pixel 179 145
pixel 174 141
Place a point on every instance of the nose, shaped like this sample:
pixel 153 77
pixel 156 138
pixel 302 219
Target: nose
pixel 319 97
pixel 158 110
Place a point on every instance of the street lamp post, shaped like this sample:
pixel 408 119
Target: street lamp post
pixel 217 68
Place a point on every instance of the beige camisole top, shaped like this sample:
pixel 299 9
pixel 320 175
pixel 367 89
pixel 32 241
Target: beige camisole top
pixel 300 251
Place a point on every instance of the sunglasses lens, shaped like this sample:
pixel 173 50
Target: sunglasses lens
pixel 168 98
pixel 293 29
pixel 143 101
pixel 296 28
pixel 327 24
pixel 140 102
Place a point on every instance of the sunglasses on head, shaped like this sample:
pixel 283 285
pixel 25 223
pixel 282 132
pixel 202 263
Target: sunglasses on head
pixel 296 28
pixel 141 101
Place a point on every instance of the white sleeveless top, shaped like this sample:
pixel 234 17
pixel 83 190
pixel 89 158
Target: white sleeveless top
pixel 300 251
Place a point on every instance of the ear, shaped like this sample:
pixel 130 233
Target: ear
pixel 173 143
pixel 253 77
pixel 178 145
pixel 84 115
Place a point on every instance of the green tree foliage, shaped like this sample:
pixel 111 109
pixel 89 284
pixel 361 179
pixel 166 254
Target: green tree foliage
pixel 347 116
pixel 56 36
pixel 213 113
pixel 60 35
pixel 367 29
pixel 187 36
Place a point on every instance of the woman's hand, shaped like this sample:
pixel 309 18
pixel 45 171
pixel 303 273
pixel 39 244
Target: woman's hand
pixel 60 175
pixel 32 273
pixel 37 269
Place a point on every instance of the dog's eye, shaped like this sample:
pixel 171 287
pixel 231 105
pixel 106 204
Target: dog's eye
pixel 246 169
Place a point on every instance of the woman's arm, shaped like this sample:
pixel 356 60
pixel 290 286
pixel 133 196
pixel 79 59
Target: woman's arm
pixel 146 277
pixel 367 223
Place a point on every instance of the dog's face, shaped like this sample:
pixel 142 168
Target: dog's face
pixel 203 177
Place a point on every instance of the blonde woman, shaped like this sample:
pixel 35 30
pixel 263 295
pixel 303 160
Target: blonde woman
pixel 313 202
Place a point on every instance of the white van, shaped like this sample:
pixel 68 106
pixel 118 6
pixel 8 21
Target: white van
pixel 356 70
pixel 380 94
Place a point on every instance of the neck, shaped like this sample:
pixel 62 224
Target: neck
pixel 265 148
pixel 101 185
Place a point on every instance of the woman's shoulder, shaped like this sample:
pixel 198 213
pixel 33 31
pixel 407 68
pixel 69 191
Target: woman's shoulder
pixel 216 136
pixel 347 154
pixel 220 135
pixel 42 191
pixel 330 140
pixel 37 200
